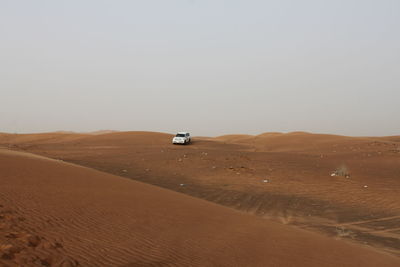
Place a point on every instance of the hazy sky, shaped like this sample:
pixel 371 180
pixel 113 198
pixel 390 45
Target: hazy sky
pixel 211 67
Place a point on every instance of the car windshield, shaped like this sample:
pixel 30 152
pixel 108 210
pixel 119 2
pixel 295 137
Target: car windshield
pixel 180 135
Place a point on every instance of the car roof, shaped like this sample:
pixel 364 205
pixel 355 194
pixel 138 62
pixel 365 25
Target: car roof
pixel 183 132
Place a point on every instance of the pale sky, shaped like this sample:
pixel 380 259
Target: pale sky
pixel 207 66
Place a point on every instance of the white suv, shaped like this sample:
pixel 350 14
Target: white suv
pixel 181 138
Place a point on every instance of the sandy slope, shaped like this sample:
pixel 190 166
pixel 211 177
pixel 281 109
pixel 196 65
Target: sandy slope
pixel 231 171
pixel 54 213
pixel 41 138
pixel 302 142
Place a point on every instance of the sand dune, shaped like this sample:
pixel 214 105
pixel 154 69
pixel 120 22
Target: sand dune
pixel 299 142
pixel 53 212
pixel 129 138
pixel 42 138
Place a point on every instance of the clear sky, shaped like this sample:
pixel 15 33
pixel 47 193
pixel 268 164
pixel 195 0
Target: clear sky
pixel 207 66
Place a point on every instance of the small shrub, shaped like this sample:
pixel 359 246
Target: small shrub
pixel 342 171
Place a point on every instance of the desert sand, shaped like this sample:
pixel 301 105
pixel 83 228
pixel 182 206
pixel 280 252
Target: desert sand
pixel 134 199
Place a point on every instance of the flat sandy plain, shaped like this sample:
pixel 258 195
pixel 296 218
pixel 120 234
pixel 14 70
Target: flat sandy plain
pixel 134 199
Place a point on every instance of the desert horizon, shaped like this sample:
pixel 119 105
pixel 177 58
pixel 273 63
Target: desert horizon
pixel 103 131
